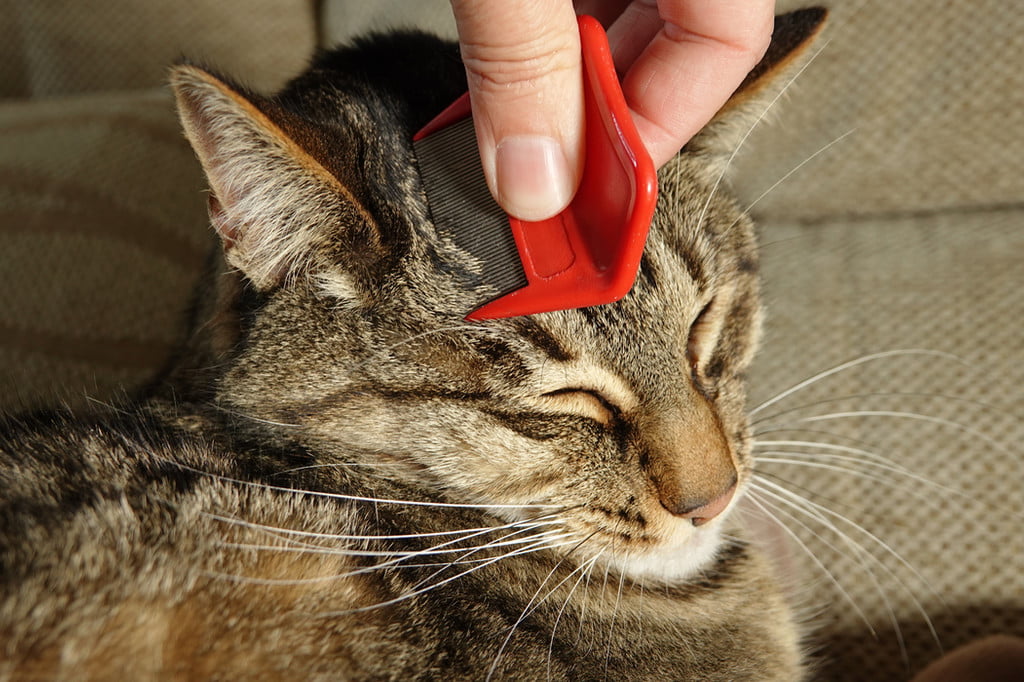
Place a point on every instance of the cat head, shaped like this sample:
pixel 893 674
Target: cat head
pixel 341 317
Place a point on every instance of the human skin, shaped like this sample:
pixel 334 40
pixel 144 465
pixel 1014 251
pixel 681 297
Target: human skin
pixel 679 60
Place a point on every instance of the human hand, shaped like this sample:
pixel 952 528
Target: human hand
pixel 679 61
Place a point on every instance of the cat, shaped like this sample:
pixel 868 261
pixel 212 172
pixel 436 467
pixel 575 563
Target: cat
pixel 340 478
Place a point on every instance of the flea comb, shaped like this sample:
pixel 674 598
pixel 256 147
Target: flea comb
pixel 588 254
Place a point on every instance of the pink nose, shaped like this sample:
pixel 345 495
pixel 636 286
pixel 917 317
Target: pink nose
pixel 701 513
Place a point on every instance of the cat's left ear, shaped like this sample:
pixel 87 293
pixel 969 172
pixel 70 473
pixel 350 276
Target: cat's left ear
pixel 276 208
pixel 789 50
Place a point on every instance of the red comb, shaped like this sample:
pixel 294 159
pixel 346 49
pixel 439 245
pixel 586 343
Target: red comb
pixel 589 253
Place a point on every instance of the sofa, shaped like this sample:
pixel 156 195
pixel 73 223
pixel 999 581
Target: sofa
pixel 888 184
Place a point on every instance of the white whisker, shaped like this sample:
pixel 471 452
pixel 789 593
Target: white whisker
pixel 331 551
pixel 808 459
pixel 796 169
pixel 914 416
pixel 537 547
pixel 848 365
pixel 859 554
pixel 611 625
pixel 818 445
pixel 356 498
pixel 754 496
pixel 886 394
pixel 585 573
pixel 467 532
pixel 818 512
pixel 753 126
pixel 529 608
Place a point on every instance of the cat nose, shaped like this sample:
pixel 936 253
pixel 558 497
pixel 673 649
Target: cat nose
pixel 700 512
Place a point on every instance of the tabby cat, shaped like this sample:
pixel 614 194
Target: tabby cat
pixel 340 478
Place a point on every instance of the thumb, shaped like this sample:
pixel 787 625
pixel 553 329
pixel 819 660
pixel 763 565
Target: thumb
pixel 522 60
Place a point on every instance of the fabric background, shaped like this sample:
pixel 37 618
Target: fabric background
pixel 906 233
pixel 58 47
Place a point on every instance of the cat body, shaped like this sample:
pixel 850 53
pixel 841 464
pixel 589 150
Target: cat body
pixel 341 478
pixel 155 572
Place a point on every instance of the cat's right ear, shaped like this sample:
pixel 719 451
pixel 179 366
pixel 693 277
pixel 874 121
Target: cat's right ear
pixel 275 207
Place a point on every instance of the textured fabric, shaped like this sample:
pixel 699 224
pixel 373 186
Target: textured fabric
pixel 849 289
pixel 103 230
pixel 930 97
pixel 343 20
pixel 56 47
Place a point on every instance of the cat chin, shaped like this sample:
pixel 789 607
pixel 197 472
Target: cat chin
pixel 677 560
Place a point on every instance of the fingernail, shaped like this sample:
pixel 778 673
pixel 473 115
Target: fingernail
pixel 533 178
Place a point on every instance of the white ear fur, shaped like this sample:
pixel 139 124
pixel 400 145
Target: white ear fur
pixel 269 195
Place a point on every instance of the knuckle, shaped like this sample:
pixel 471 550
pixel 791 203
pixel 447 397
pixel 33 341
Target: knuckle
pixel 492 68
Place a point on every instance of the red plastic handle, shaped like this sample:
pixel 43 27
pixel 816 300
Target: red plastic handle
pixel 590 253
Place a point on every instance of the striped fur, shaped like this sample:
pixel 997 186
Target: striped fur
pixel 343 479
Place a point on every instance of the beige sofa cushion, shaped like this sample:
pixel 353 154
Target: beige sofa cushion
pixel 932 96
pixel 103 227
pixel 847 289
pixel 56 47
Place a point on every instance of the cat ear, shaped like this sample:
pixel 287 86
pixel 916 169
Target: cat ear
pixel 272 203
pixel 792 38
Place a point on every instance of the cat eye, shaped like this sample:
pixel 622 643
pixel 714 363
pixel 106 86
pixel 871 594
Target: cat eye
pixel 584 402
pixel 701 338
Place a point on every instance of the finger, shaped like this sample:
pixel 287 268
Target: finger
pixel 632 32
pixel 693 63
pixel 522 60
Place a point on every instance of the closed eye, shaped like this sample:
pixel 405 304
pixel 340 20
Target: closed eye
pixel 583 402
pixel 701 339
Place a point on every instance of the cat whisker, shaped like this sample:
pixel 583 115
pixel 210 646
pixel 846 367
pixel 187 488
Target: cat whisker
pixel 821 445
pixel 584 574
pixel 536 547
pixel 402 558
pixel 881 480
pixel 882 394
pixel 356 498
pixel 392 553
pixel 823 450
pixel 867 458
pixel 466 532
pixel 531 607
pixel 828 462
pixel 753 126
pixel 811 505
pixel 849 365
pixel 754 495
pixel 858 553
pixel 470 551
pixel 820 513
pixel 611 625
pixel 793 428
pixel 793 171
pixel 914 416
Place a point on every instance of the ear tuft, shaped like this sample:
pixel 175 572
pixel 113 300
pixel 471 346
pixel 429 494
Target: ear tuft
pixel 271 199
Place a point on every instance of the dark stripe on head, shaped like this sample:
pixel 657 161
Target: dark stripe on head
pixel 541 338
